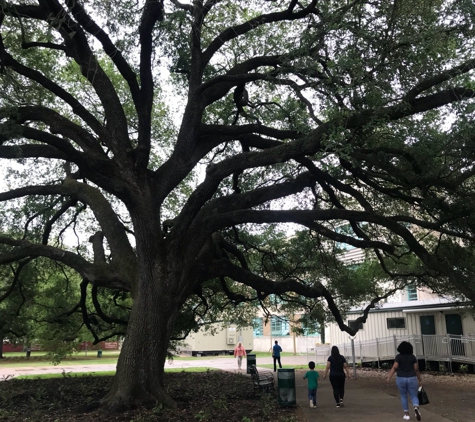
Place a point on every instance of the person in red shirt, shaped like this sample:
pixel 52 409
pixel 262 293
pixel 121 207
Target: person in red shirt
pixel 239 352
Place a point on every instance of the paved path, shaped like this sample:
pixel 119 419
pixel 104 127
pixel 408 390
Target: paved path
pixel 225 364
pixel 361 403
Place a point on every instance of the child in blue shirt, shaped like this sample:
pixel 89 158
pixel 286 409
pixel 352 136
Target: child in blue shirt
pixel 312 378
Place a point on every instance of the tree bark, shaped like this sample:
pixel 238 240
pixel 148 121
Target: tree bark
pixel 140 368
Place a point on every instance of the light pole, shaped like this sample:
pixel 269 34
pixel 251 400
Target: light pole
pixel 352 338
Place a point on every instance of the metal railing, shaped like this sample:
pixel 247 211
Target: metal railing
pixel 443 348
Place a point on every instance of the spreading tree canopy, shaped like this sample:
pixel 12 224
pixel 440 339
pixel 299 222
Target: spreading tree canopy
pixel 177 138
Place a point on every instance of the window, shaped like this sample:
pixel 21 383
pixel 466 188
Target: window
pixel 396 322
pixel 411 292
pixel 353 325
pixel 279 326
pixel 258 325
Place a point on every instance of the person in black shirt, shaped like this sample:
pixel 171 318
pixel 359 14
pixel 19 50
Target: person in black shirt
pixel 408 378
pixel 337 366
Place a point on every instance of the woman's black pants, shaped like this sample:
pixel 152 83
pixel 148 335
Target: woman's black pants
pixel 338 384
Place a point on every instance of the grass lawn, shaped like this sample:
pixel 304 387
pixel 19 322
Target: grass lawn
pixel 90 354
pixel 269 354
pixel 257 354
pixel 46 362
pixel 305 367
pixel 18 359
pixel 102 373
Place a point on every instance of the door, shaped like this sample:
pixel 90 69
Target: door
pixel 454 326
pixel 427 325
pixel 428 329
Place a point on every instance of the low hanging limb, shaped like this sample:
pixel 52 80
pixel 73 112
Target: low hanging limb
pixel 85 315
pixel 100 312
pixel 235 298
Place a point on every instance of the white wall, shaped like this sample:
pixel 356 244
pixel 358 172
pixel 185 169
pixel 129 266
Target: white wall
pixel 264 343
pixel 219 339
pixel 376 325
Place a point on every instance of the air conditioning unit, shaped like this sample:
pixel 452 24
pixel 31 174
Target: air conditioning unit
pixel 230 340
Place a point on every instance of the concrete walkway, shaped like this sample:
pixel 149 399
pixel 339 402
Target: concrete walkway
pixel 361 404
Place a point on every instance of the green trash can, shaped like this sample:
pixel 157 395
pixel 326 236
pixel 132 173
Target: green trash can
pixel 250 360
pixel 286 387
pixel 99 353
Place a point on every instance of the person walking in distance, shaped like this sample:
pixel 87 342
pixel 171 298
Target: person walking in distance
pixel 276 350
pixel 239 352
pixel 408 378
pixel 337 366
pixel 312 378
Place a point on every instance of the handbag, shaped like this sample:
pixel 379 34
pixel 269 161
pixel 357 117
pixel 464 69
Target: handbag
pixel 423 397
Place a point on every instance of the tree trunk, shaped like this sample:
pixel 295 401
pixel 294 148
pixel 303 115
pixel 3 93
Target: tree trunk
pixel 140 368
pixel 322 331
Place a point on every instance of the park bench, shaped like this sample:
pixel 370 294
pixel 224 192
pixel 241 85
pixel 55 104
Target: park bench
pixel 262 380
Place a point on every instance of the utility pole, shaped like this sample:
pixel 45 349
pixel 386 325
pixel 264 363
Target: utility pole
pixel 352 338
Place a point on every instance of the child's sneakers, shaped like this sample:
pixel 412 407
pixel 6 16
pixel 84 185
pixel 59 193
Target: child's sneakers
pixel 341 403
pixel 311 404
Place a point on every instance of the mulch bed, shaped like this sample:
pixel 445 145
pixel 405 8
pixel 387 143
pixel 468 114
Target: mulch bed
pixel 200 397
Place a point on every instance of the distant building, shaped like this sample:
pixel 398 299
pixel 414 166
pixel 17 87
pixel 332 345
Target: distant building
pixel 434 316
pixel 280 328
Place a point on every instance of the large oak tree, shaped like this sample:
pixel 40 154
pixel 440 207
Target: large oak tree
pixel 359 115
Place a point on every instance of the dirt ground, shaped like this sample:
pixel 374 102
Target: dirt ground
pixel 200 397
pixel 450 395
pixel 207 396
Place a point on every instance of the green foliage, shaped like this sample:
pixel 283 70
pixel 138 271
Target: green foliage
pixel 135 171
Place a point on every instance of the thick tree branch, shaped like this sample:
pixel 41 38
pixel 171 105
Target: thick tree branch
pixel 58 125
pixel 238 30
pixel 48 45
pixel 77 46
pixel 24 249
pixel 110 49
pixel 99 310
pixel 57 215
pixel 183 6
pixel 311 143
pixel 32 151
pixel 121 249
pixel 438 79
pixel 8 61
pixel 152 13
pixel 224 268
